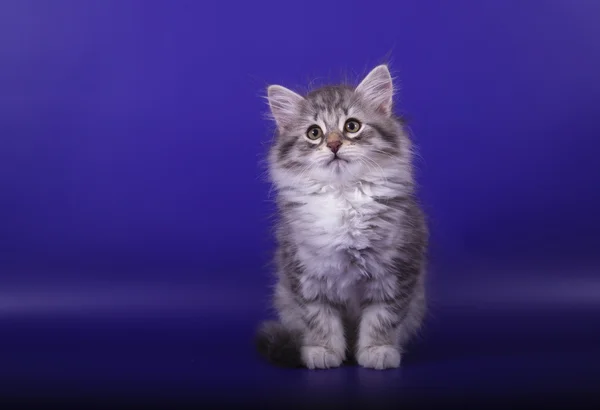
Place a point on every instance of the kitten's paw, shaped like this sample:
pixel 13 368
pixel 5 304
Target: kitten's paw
pixel 317 357
pixel 379 357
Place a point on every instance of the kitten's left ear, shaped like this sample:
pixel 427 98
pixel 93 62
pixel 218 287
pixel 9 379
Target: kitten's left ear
pixel 378 89
pixel 284 104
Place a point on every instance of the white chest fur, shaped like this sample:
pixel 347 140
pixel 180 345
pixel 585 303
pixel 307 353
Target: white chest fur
pixel 332 227
pixel 341 217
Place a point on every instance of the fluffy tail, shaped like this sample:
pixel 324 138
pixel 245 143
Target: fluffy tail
pixel 279 345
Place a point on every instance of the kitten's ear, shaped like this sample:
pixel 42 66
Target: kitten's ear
pixel 378 89
pixel 284 103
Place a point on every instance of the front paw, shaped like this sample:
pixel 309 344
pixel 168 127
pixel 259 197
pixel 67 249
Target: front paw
pixel 379 357
pixel 318 357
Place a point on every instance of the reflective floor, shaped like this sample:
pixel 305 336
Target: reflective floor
pixel 182 342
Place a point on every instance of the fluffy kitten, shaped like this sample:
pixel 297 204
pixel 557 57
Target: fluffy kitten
pixel 352 238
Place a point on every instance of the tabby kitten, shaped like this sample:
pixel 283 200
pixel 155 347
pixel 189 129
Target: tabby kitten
pixel 352 238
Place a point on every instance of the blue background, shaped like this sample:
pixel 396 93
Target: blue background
pixel 135 217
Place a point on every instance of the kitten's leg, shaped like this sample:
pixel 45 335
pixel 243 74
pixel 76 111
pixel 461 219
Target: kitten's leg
pixel 324 345
pixel 381 329
pixel 378 344
pixel 319 322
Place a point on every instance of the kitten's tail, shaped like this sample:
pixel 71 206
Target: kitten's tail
pixel 279 345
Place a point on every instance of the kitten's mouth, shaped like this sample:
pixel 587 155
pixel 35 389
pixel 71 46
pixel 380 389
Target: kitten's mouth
pixel 336 160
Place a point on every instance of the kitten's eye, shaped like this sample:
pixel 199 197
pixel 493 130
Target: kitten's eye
pixel 314 132
pixel 352 126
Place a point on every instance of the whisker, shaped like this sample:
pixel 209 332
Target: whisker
pixel 370 160
pixel 387 154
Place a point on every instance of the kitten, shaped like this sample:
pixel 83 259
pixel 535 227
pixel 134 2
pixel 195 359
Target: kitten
pixel 352 238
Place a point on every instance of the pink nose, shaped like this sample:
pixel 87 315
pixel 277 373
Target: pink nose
pixel 334 145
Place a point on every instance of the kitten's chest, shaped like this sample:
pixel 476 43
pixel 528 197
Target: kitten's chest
pixel 340 219
pixel 338 236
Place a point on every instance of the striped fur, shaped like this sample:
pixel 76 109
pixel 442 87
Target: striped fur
pixel 352 238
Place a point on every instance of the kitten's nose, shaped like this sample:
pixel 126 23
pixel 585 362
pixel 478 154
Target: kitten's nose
pixel 334 142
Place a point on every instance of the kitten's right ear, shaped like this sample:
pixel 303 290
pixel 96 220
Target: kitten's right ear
pixel 378 89
pixel 284 103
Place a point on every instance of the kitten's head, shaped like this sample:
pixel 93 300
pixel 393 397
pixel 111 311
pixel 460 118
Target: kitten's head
pixel 336 134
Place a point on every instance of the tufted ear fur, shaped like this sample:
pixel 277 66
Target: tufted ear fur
pixel 378 89
pixel 284 104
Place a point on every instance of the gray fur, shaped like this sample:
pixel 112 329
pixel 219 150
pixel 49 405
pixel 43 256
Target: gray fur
pixel 352 237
